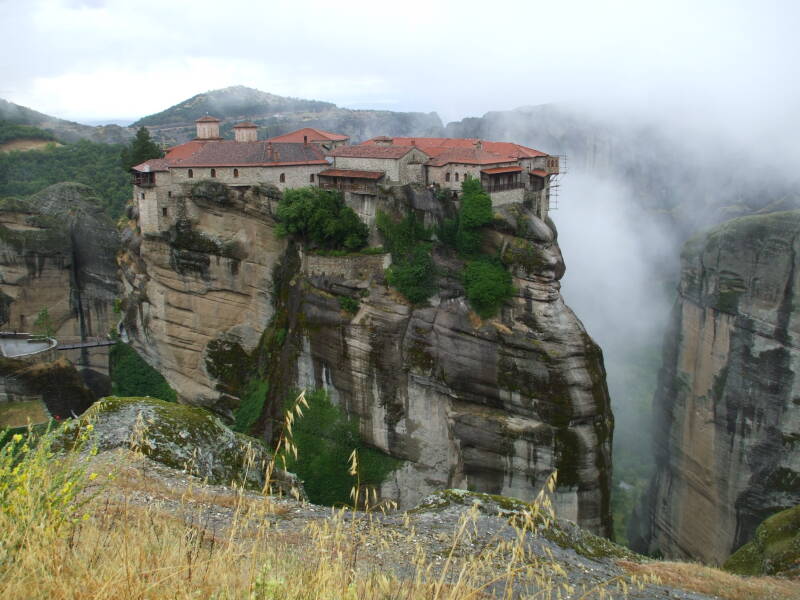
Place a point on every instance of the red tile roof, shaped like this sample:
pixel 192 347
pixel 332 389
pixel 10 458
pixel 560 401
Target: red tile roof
pixel 372 151
pixel 245 125
pixel 228 153
pixel 152 165
pixel 499 170
pixel 207 119
pixel 468 156
pixel 351 173
pixel 539 172
pixel 436 146
pixel 313 135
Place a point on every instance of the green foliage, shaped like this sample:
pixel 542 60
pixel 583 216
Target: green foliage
pixel 43 325
pixel 95 165
pixel 325 437
pixel 12 131
pixel 132 376
pixel 487 286
pixel 413 272
pixel 475 212
pixel 141 148
pixel 774 550
pixel 253 398
pixel 348 304
pixel 321 218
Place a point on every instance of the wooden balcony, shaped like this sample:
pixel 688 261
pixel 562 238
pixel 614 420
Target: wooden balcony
pixel 490 186
pixel 348 186
pixel 144 179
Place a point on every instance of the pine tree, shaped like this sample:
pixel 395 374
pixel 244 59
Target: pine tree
pixel 141 148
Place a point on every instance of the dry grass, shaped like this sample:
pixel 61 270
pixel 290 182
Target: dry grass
pixel 19 414
pixel 714 582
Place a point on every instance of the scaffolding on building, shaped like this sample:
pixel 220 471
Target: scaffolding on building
pixel 554 188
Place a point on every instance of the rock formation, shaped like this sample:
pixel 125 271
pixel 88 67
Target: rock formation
pixel 57 252
pixel 727 407
pixel 492 405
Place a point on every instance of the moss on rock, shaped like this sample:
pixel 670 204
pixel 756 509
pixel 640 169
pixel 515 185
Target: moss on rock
pixel 775 549
pixel 181 437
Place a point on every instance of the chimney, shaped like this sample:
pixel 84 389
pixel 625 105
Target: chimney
pixel 269 151
pixel 245 132
pixel 207 128
pixel 383 141
pixel 478 145
pixel 305 140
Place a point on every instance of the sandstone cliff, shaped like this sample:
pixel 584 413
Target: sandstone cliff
pixel 727 407
pixel 57 252
pixel 493 406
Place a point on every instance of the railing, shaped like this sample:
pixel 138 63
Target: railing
pixel 144 179
pixel 502 187
pixel 364 188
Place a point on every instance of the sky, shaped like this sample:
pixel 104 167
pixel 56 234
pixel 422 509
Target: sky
pixel 96 60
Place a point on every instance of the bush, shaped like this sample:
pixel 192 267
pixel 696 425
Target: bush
pixel 321 218
pixel 348 304
pixel 325 437
pixel 132 376
pixel 253 398
pixel 413 272
pixel 474 213
pixel 487 285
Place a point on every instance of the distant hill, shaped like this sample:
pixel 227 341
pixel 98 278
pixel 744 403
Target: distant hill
pixel 67 131
pixel 276 115
pixel 236 102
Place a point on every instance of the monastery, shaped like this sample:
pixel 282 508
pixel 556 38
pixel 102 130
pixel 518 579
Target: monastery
pixel 309 157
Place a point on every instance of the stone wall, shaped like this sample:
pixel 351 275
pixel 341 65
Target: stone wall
pixel 355 266
pixel 507 197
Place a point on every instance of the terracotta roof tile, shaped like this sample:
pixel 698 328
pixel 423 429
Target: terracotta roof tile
pixel 539 172
pixel 352 173
pixel 499 170
pixel 228 153
pixel 313 135
pixel 469 156
pixel 208 119
pixel 435 146
pixel 152 165
pixel 245 125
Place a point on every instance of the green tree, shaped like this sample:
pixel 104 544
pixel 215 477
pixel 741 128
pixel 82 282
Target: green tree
pixel 487 286
pixel 321 218
pixel 474 213
pixel 141 148
pixel 413 271
pixel 43 325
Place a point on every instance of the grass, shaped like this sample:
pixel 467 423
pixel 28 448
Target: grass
pixel 714 582
pixel 19 414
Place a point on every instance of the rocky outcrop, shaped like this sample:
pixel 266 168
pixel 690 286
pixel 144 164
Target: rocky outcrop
pixel 57 252
pixel 493 405
pixel 775 549
pixel 727 407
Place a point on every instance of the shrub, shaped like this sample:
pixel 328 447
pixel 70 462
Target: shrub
pixel 325 437
pixel 132 376
pixel 487 286
pixel 348 304
pixel 253 398
pixel 321 218
pixel 413 272
pixel 474 213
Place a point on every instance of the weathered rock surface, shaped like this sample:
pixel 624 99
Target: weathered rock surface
pixel 57 251
pixel 727 404
pixel 495 406
pixel 775 549
pixel 181 437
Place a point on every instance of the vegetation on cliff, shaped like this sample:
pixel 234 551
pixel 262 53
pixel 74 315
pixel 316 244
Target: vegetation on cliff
pixel 94 165
pixel 412 272
pixel 321 219
pixel 775 549
pixel 14 131
pixel 132 376
pixel 325 437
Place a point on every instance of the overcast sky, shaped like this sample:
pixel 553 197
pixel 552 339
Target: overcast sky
pixel 122 59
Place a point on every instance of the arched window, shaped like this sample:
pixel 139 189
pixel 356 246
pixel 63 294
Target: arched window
pixel 191 174
pixel 213 172
pixel 447 177
pixel 236 172
pixel 282 178
pixel 311 178
pixel 456 175
pixel 465 176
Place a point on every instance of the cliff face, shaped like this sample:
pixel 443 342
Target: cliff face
pixel 492 405
pixel 57 252
pixel 728 401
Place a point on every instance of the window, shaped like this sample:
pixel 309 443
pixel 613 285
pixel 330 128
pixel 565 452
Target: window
pixel 447 177
pixel 282 178
pixel 456 175
pixel 213 172
pixel 311 178
pixel 236 172
pixel 164 212
pixel 465 176
pixel 190 174
pixel 141 195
